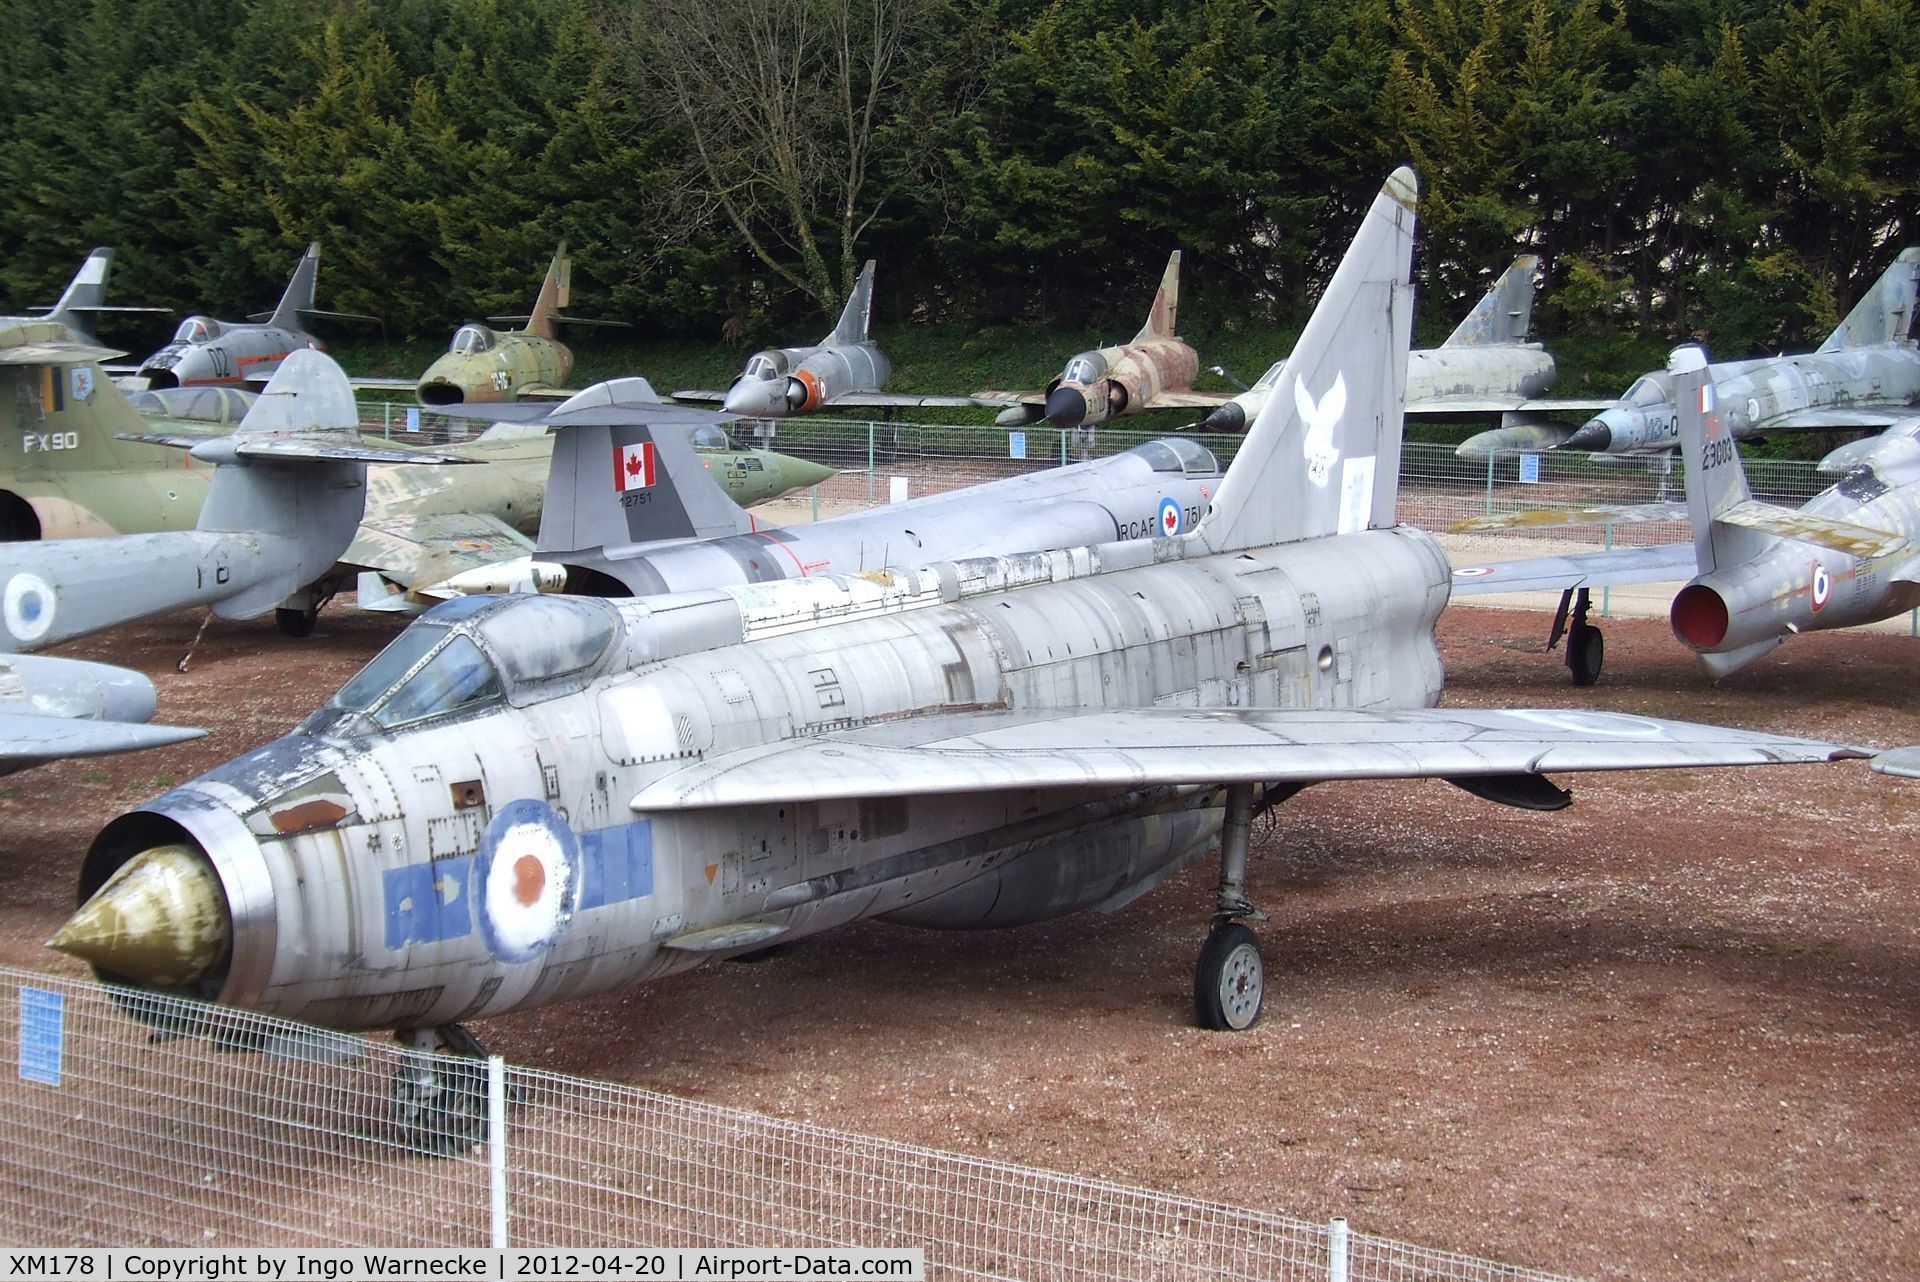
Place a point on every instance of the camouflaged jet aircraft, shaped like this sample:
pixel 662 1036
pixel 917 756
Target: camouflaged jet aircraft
pixel 1486 366
pixel 1154 371
pixel 1867 374
pixel 528 799
pixel 204 350
pixel 484 364
pixel 845 370
pixel 1759 573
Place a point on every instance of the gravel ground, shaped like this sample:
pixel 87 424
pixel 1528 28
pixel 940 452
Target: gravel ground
pixel 1672 1030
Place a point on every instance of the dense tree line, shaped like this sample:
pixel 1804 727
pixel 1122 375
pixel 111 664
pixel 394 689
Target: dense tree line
pixel 1732 169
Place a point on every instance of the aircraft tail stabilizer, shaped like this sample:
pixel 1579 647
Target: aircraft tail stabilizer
pixel 1505 314
pixel 856 317
pixel 556 292
pixel 616 485
pixel 299 295
pixel 1716 481
pixel 1884 313
pixel 1163 318
pixel 1323 456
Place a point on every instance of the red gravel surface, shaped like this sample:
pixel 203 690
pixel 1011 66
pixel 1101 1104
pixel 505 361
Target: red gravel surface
pixel 1672 1031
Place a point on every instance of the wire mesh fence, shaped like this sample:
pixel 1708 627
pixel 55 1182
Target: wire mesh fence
pixel 133 1119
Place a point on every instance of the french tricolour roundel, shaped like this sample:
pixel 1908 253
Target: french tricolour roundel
pixel 528 875
pixel 1822 585
pixel 1170 520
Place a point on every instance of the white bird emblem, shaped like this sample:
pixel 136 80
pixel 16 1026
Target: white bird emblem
pixel 1318 447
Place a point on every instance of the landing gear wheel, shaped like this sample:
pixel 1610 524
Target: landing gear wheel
pixel 440 1096
pixel 1586 651
pixel 296 622
pixel 1230 983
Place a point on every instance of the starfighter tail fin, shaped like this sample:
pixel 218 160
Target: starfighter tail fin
pixel 1163 318
pixel 1506 312
pixel 621 476
pixel 299 295
pixel 856 317
pixel 1884 313
pixel 1323 457
pixel 1716 481
pixel 86 293
pixel 556 292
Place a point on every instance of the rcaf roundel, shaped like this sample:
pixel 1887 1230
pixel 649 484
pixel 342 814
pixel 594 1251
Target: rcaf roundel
pixel 527 874
pixel 633 466
pixel 1170 518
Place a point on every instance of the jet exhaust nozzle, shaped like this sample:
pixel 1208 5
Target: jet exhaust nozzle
pixel 160 920
pixel 1231 417
pixel 1066 407
pixel 1699 617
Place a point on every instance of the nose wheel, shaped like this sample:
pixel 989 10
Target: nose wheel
pixel 1230 981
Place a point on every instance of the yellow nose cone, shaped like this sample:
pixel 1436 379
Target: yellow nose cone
pixel 160 920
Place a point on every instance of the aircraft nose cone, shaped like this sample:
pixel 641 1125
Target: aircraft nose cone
pixel 1594 435
pixel 804 472
pixel 746 400
pixel 1066 407
pixel 160 920
pixel 1231 417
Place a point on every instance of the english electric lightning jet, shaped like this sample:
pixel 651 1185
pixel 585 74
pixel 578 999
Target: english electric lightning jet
pixel 1486 366
pixel 844 370
pixel 484 364
pixel 529 799
pixel 204 350
pixel 1759 572
pixel 1867 374
pixel 1154 371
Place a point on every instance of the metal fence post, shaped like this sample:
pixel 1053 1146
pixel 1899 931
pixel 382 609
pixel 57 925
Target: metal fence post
pixel 497 1147
pixel 387 431
pixel 869 463
pixel 1490 459
pixel 816 503
pixel 1337 1249
pixel 1606 594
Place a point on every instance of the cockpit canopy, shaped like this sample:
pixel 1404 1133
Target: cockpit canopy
pixel 1087 367
pixel 705 436
pixel 1177 454
pixel 470 340
pixel 1266 381
pixel 469 653
pixel 198 329
pixel 194 404
pixel 771 364
pixel 1647 392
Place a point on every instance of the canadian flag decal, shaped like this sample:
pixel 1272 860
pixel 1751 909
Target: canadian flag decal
pixel 633 466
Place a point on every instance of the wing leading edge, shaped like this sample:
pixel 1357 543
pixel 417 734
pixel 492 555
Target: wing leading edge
pixel 965 752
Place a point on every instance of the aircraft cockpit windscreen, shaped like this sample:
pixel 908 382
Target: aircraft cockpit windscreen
pixel 1646 393
pixel 1084 368
pixel 1268 379
pixel 1176 454
pixel 762 366
pixel 470 340
pixel 705 436
pixel 457 676
pixel 196 329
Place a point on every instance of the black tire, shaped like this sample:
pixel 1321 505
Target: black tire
pixel 296 623
pixel 1230 983
pixel 1586 652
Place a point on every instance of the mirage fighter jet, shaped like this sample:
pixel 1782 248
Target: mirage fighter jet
pixel 529 799
pixel 844 370
pixel 1760 573
pixel 204 350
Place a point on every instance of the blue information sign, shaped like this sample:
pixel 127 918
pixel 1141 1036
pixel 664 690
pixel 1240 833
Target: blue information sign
pixel 1016 444
pixel 42 1034
pixel 1529 469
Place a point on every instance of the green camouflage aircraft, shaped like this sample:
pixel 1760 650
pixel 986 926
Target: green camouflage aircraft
pixel 65 472
pixel 485 364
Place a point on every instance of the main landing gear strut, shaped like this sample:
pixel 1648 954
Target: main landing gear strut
pixel 1230 983
pixel 1586 649
pixel 440 1095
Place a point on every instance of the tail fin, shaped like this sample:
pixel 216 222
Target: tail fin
pixel 68 412
pixel 299 295
pixel 1506 312
pixel 86 293
pixel 1323 457
pixel 1163 318
pixel 556 291
pixel 637 480
pixel 1884 313
pixel 857 316
pixel 1716 481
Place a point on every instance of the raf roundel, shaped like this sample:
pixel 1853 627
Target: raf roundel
pixel 1822 586
pixel 528 877
pixel 28 606
pixel 1170 518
